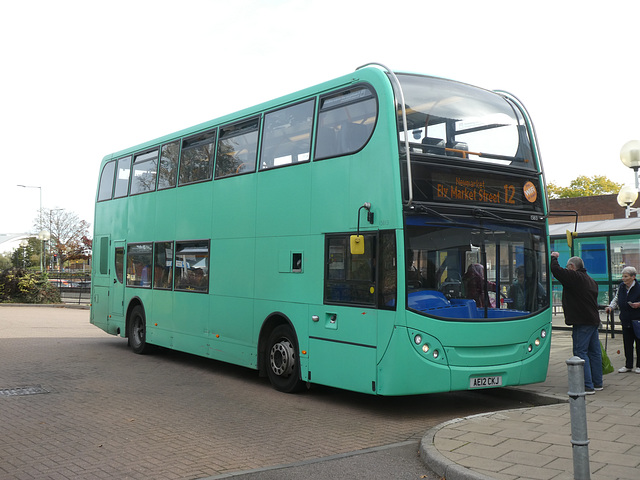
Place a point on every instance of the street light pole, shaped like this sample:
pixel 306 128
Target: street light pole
pixel 39 215
pixel 51 232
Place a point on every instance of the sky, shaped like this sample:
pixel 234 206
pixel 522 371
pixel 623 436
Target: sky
pixel 82 79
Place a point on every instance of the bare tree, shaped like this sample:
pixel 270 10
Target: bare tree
pixel 69 235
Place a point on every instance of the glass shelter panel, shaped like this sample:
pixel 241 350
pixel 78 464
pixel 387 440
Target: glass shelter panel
pixel 593 252
pixel 625 252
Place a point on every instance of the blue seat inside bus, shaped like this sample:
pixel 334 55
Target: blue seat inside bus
pixel 435 303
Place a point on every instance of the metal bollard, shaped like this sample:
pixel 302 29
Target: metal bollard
pixel 578 411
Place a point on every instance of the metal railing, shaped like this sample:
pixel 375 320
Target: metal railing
pixel 73 287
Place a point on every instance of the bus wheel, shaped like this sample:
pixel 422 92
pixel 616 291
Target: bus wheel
pixel 137 331
pixel 283 364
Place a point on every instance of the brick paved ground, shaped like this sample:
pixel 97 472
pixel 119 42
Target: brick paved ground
pixel 111 414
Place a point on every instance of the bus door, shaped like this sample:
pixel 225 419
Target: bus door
pixel 116 294
pixel 100 281
pixel 343 332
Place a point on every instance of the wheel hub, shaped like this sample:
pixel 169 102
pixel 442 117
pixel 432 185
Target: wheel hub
pixel 282 358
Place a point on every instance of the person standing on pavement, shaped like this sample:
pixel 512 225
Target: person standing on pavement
pixel 627 299
pixel 580 306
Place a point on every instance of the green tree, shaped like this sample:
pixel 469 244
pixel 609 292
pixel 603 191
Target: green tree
pixel 28 256
pixel 5 261
pixel 583 186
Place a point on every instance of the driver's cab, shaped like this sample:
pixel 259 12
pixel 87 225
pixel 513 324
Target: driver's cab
pixel 457 273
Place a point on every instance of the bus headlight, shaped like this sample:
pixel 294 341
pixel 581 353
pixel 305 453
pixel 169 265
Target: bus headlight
pixel 427 346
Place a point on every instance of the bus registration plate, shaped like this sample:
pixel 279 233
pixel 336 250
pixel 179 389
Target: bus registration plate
pixel 482 382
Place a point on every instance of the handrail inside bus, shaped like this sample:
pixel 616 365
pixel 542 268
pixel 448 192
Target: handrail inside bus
pixel 404 124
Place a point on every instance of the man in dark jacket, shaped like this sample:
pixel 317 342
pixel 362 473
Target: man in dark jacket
pixel 580 306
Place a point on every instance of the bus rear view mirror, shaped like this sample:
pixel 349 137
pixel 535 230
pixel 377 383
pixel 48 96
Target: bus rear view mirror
pixel 357 245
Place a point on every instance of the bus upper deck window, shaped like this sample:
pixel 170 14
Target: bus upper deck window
pixel 122 177
pixel 286 137
pixel 345 122
pixel 196 161
pixel 237 148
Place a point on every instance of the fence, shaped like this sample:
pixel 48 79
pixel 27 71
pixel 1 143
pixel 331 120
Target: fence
pixel 73 287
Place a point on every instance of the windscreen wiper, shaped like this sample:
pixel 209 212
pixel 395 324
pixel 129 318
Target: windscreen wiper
pixel 424 209
pixel 481 212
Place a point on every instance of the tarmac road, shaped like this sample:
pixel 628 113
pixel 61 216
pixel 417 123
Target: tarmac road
pixel 103 412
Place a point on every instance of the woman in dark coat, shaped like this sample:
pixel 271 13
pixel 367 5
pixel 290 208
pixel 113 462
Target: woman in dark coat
pixel 628 301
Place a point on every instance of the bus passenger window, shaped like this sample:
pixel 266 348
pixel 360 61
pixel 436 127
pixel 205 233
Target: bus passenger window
pixel 105 190
pixel 168 165
pixel 192 266
pixel 145 168
pixel 237 149
pixel 345 122
pixel 349 279
pixel 122 178
pixel 197 158
pixel 163 265
pixel 119 263
pixel 104 255
pixel 286 137
pixel 139 261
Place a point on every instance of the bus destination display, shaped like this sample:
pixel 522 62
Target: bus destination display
pixel 485 189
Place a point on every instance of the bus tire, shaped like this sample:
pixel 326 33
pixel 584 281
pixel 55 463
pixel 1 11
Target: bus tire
pixel 282 360
pixel 138 331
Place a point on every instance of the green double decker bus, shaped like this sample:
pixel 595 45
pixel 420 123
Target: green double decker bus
pixel 382 232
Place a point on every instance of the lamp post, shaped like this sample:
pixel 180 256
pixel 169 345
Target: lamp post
pixel 23 244
pixel 50 231
pixel 44 236
pixel 40 216
pixel 630 157
pixel 39 188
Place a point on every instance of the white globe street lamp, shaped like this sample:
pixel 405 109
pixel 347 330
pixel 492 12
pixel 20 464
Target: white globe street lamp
pixel 627 197
pixel 630 157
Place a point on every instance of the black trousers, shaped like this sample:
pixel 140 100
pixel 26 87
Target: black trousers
pixel 628 338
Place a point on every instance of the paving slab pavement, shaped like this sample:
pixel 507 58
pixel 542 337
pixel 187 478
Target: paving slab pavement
pixel 535 443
